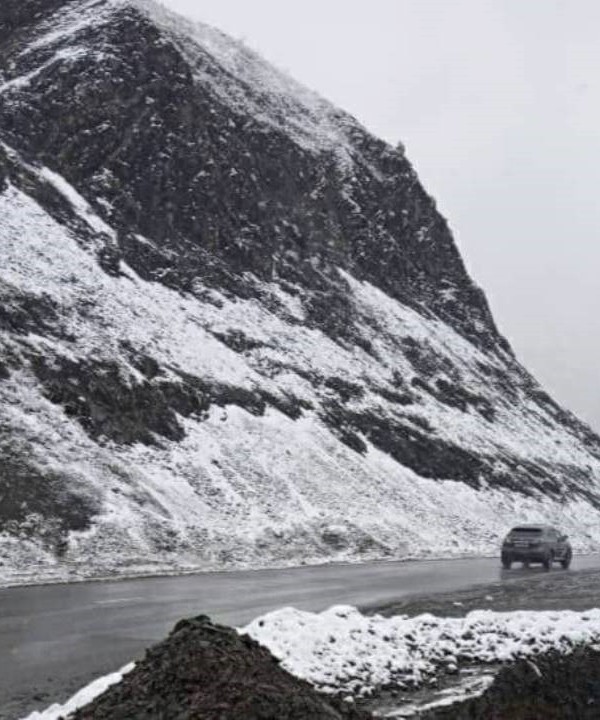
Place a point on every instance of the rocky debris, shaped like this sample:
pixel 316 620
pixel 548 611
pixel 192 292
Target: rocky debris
pixel 551 687
pixel 35 501
pixel 204 671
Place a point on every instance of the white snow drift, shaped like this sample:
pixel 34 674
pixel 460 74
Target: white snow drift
pixel 341 650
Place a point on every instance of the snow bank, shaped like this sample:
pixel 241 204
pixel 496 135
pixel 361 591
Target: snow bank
pixel 341 650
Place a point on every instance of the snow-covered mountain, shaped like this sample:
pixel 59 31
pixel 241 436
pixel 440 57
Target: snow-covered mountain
pixel 234 327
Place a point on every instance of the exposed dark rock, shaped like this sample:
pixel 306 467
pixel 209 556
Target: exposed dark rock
pixel 287 404
pixel 16 16
pixel 204 671
pixel 221 395
pixel 36 502
pixel 142 362
pixel 461 398
pixel 4 371
pixel 425 454
pixel 109 405
pixel 342 425
pixel 346 390
pixel 237 340
pixel 23 176
pixel 548 687
pixel 426 360
pixel 22 313
pixel 395 397
pixel 109 259
pixel 3 178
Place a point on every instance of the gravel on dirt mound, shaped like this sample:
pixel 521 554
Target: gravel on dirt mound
pixel 204 671
pixel 553 687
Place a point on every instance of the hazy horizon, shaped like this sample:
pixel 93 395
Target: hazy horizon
pixel 498 104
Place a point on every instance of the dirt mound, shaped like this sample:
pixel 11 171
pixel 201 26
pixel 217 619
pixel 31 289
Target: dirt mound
pixel 204 671
pixel 551 687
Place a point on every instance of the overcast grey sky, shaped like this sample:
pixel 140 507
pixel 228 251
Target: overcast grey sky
pixel 498 104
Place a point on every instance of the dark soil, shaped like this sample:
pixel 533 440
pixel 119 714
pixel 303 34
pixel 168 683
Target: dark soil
pixel 204 671
pixel 554 687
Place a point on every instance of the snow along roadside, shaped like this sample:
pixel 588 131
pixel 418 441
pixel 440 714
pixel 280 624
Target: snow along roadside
pixel 341 650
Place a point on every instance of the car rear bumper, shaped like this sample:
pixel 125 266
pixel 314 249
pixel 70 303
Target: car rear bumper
pixel 524 554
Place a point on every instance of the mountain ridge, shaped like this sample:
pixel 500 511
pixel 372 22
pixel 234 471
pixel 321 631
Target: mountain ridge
pixel 274 90
pixel 230 337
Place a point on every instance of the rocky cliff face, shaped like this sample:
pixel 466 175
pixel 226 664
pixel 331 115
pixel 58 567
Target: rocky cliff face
pixel 234 327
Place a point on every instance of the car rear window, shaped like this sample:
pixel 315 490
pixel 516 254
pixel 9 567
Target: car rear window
pixel 526 531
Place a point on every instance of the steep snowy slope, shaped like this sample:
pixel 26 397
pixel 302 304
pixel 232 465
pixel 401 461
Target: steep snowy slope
pixel 233 327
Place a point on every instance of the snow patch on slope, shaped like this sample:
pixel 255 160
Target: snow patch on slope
pixel 69 21
pixel 79 204
pixel 66 54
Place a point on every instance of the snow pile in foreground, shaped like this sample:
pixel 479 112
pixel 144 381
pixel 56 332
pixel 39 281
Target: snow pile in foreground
pixel 341 650
pixel 82 698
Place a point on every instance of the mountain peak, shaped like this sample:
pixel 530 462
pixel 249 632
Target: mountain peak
pixel 110 88
pixel 255 86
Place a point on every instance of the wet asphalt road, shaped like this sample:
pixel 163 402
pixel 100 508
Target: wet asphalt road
pixel 55 639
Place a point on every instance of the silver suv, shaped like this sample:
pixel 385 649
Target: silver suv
pixel 536 544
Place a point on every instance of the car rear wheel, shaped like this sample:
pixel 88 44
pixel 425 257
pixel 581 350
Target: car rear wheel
pixel 506 563
pixel 547 562
pixel 566 563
